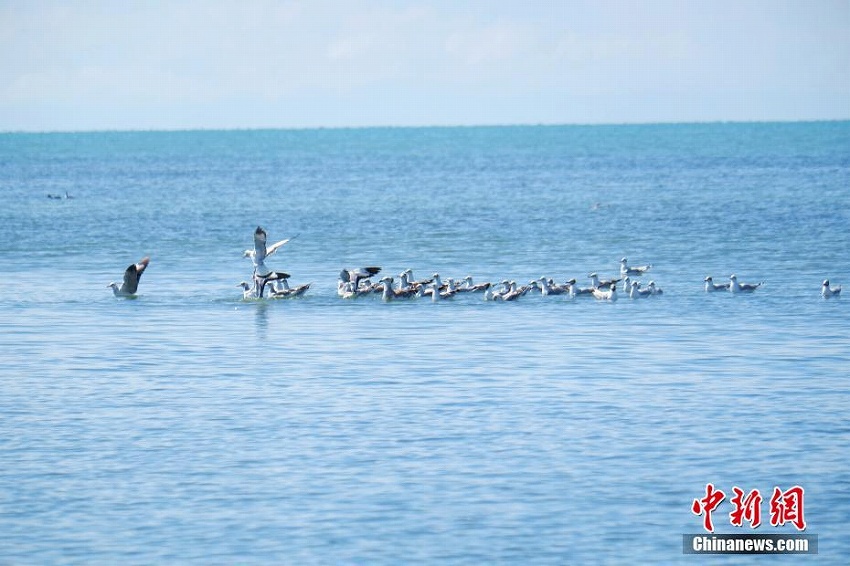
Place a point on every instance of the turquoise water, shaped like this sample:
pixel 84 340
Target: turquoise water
pixel 189 426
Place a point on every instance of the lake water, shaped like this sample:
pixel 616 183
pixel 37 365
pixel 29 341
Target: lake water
pixel 190 426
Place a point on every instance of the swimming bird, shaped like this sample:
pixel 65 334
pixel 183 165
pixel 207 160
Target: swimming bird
pixel 826 291
pixel 247 290
pixel 488 294
pixel 635 292
pixel 736 287
pixel 388 293
pixel 403 281
pixel 545 288
pixel 498 294
pixel 597 283
pixel 625 269
pixel 346 290
pixel 469 286
pixel 556 289
pixel 260 282
pixel 131 279
pixel 349 280
pixel 515 292
pixel 436 293
pixel 413 282
pixel 711 286
pixel 575 290
pixel 282 290
pixel 654 289
pixel 434 282
pixel 260 252
pixel 609 295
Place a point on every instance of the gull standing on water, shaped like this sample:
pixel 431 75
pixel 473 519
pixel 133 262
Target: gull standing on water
pixel 258 255
pixel 826 291
pixel 260 252
pixel 131 279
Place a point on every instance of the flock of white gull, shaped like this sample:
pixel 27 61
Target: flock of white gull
pixel 357 282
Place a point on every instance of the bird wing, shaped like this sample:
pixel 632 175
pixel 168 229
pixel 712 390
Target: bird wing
pixel 132 274
pixel 368 271
pixel 273 248
pixel 259 244
pixel 141 266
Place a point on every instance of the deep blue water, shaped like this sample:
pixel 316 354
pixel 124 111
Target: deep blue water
pixel 190 426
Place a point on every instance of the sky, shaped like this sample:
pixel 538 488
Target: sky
pixel 78 65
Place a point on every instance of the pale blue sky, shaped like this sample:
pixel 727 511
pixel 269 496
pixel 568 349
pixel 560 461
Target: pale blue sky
pixel 95 65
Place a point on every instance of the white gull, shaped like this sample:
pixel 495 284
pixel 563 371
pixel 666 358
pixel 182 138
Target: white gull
pixel 597 283
pixel 260 252
pixel 711 286
pixel 635 292
pixel 826 291
pixel 348 285
pixel 625 269
pixel 132 275
pixel 469 286
pixel 654 289
pixel 609 295
pixel 736 287
pixel 282 290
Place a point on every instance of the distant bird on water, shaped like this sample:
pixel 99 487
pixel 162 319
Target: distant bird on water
pixel 280 288
pixel 132 275
pixel 609 295
pixel 826 291
pixel 711 286
pixel 626 269
pixel 349 282
pixel 260 282
pixel 597 283
pixel 736 287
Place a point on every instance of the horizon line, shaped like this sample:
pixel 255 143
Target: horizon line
pixel 420 127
